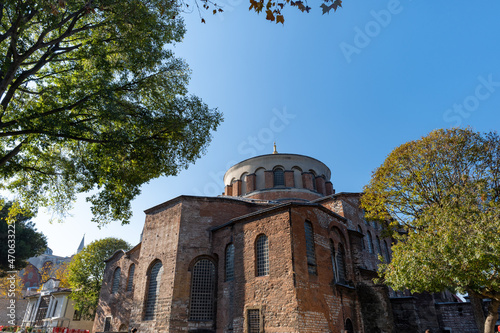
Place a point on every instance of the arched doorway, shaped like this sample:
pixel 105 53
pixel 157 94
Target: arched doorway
pixel 348 328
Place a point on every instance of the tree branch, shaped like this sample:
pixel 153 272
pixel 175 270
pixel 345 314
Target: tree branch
pixel 11 154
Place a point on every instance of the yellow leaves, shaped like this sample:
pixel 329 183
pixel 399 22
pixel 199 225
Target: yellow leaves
pixel 15 211
pixel 9 283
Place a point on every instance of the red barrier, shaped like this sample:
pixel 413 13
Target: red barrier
pixel 68 330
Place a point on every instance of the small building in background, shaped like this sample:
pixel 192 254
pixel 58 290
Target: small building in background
pixel 51 308
pixel 29 280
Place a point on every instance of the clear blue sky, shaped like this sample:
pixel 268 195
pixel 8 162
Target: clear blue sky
pixel 345 88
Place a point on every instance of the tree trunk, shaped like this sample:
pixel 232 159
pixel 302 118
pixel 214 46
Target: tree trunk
pixel 477 310
pixel 491 319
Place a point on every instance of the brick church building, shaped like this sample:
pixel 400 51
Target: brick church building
pixel 279 251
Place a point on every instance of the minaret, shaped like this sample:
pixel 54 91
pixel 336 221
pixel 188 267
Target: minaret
pixel 82 244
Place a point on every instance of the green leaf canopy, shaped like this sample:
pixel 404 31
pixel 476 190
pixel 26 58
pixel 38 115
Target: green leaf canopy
pixel 86 272
pixel 91 100
pixel 442 195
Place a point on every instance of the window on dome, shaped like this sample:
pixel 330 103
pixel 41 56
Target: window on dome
pixel 279 177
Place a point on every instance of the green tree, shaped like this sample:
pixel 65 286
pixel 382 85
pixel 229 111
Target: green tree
pixel 86 270
pixel 19 240
pixel 92 101
pixel 442 194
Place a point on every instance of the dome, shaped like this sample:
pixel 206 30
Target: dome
pixel 286 177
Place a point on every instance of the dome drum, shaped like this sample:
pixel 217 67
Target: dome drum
pixel 279 176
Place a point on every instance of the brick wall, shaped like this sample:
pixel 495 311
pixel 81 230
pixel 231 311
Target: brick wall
pixel 273 294
pixel 324 304
pixel 284 193
pixel 456 316
pixel 119 304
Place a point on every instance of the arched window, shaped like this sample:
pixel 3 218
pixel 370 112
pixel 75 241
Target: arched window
pixel 262 256
pixel 279 177
pixel 297 177
pixel 116 280
pixel 153 290
pixel 311 254
pixel 130 282
pixel 379 248
pixel 341 264
pixel 348 328
pixel 334 261
pixel 260 181
pixel 362 239
pixel 107 324
pixel 230 262
pixel 386 252
pixel 202 291
pixel 243 179
pixel 370 241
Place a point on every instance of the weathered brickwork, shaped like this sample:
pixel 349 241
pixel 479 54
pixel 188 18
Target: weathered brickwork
pixel 284 193
pixel 294 257
pixel 458 317
pixel 118 304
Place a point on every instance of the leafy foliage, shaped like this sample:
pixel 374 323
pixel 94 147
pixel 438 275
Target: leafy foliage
pixel 91 100
pixel 26 243
pixel 274 8
pixel 11 283
pixel 442 193
pixel 59 272
pixel 86 270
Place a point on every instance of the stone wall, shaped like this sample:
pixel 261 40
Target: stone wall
pixel 117 305
pixel 273 294
pixel 456 316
